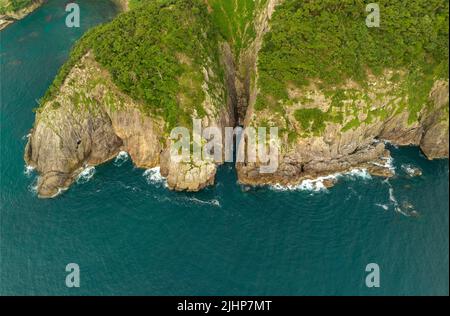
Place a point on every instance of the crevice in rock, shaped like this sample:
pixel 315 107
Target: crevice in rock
pixel 245 67
pixel 230 80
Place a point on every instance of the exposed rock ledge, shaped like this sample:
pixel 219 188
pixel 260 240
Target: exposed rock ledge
pixel 341 151
pixel 91 121
pixel 11 17
pixel 123 5
pixel 338 150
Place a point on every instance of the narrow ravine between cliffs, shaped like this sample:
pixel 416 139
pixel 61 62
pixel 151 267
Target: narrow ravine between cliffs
pixel 122 93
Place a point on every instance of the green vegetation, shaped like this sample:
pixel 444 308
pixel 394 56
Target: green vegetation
pixel 352 124
pixel 329 41
pixel 311 120
pixel 156 54
pixel 135 3
pixel 8 6
pixel 235 20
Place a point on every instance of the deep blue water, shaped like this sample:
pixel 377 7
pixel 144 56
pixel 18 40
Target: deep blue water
pixel 130 235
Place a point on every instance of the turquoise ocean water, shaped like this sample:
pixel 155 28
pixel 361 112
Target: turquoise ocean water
pixel 130 235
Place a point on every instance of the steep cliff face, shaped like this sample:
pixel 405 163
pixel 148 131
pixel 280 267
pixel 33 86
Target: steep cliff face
pixel 86 119
pixel 330 119
pixel 253 63
pixel 243 24
pixel 435 137
pixel 353 140
pixel 88 123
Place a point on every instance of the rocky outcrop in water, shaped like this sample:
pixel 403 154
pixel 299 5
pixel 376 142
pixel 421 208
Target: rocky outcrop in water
pixel 91 121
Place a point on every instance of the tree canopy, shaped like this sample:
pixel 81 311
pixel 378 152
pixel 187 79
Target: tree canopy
pixel 328 41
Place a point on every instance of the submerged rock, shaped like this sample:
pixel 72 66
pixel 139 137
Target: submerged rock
pixel 412 171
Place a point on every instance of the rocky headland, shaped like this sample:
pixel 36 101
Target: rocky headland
pixel 129 82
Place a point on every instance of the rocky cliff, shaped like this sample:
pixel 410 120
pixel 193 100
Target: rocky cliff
pixel 8 16
pixel 357 141
pixel 339 123
pixel 129 82
pixel 86 119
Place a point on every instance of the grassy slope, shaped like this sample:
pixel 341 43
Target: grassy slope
pixel 142 49
pixel 234 19
pixel 329 41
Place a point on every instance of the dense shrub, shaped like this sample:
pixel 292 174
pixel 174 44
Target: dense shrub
pixel 329 41
pixel 140 47
pixel 326 41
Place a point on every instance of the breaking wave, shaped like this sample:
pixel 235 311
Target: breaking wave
pixel 33 186
pixel 121 158
pixel 86 175
pixel 411 170
pixel 388 142
pixel 29 171
pixel 318 184
pixel 393 199
pixel 383 206
pixel 213 202
pixel 153 176
pixel 388 164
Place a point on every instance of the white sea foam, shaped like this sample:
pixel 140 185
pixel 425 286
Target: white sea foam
pixel 358 173
pixel 162 198
pixel 213 202
pixel 314 185
pixel 28 171
pixel 388 142
pixel 33 186
pixel 318 184
pixel 129 187
pixel 121 158
pixel 411 170
pixel 86 175
pixel 383 206
pixel 153 176
pixel 58 193
pixel 394 201
pixel 388 164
